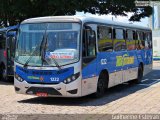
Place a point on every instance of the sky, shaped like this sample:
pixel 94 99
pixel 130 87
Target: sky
pixel 143 22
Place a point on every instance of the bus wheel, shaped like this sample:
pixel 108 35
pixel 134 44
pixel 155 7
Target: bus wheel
pixel 3 75
pixel 140 75
pixel 101 86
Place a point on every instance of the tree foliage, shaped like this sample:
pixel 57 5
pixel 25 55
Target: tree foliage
pixel 13 11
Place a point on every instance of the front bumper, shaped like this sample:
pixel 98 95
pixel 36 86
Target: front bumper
pixel 72 89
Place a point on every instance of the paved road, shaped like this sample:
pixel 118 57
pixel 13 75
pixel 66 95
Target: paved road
pixel 123 99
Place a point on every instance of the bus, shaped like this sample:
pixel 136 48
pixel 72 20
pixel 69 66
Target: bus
pixel 73 56
pixel 7 48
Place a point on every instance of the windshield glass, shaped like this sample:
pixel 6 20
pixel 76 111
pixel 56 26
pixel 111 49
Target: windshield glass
pixel 61 43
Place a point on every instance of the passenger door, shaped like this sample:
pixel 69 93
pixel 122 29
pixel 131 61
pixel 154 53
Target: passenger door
pixel 89 61
pixel 89 53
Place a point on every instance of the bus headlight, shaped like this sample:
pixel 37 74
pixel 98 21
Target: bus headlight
pixel 71 78
pixel 18 78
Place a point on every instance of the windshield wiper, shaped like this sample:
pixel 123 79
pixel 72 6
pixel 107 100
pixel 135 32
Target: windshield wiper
pixel 43 48
pixel 41 44
pixel 26 63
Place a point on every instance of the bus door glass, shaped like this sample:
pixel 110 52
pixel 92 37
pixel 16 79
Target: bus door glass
pixel 11 44
pixel 89 51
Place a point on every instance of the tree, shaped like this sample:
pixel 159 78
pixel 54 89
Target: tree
pixel 14 11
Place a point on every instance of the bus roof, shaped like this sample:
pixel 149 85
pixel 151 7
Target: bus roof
pixel 9 28
pixel 3 29
pixel 83 19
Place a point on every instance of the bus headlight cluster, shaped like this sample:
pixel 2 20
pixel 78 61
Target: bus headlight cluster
pixel 18 78
pixel 71 78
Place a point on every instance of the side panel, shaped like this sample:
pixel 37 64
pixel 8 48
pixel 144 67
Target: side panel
pixel 89 85
pixel 130 65
pixel 122 66
pixel 112 62
pixel 89 78
pixel 145 57
pixel 148 61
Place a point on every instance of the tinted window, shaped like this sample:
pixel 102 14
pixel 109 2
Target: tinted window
pixel 119 39
pixel 148 40
pixel 130 39
pixel 140 43
pixel 104 38
pixel 89 43
pixel 11 41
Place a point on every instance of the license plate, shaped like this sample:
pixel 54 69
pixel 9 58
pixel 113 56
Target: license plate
pixel 42 94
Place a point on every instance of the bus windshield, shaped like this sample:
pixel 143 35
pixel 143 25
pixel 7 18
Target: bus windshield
pixel 58 41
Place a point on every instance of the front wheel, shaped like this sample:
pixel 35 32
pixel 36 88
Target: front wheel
pixel 3 74
pixel 101 86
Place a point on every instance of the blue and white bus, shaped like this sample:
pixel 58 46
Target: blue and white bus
pixel 7 51
pixel 71 56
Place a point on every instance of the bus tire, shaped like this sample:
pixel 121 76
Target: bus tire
pixel 140 75
pixel 1 73
pixel 3 76
pixel 101 85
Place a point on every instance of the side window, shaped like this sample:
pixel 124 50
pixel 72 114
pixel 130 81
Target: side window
pixel 89 43
pixel 119 39
pixel 10 45
pixel 140 43
pixel 148 40
pixel 130 39
pixel 104 35
pixel 2 41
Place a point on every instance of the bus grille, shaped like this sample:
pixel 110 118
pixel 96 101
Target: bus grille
pixel 42 83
